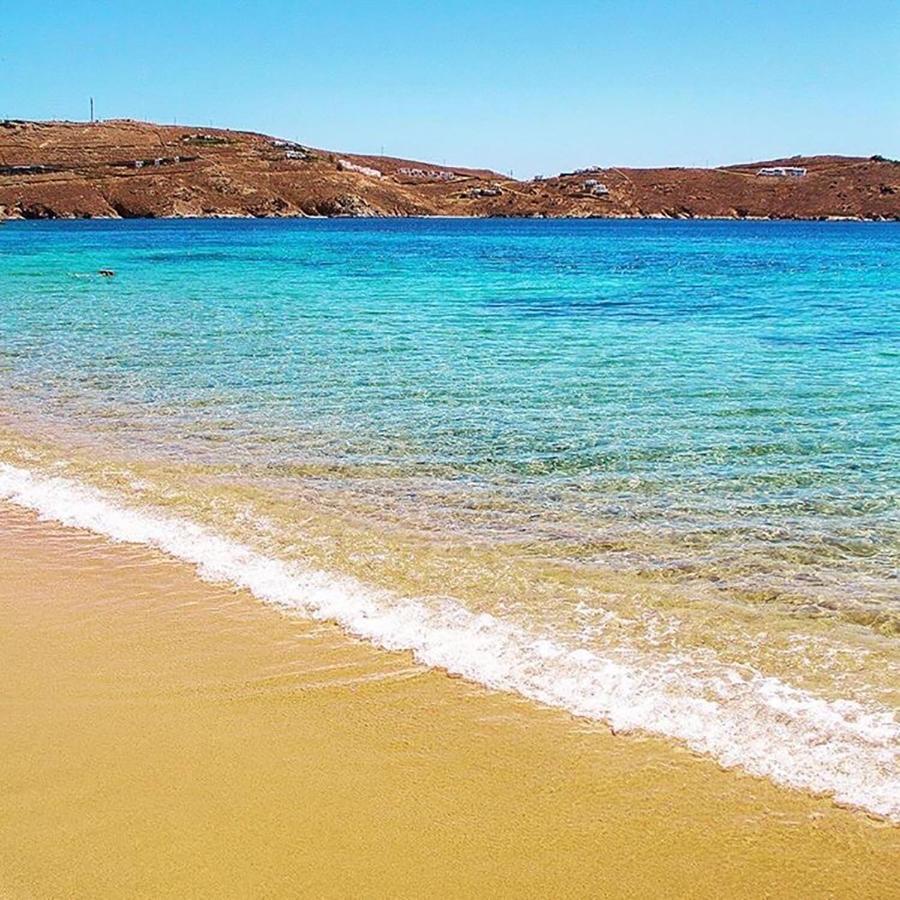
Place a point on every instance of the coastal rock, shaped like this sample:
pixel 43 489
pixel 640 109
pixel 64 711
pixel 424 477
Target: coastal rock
pixel 348 206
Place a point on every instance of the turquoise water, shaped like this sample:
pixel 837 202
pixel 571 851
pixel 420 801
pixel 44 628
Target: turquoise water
pixel 663 440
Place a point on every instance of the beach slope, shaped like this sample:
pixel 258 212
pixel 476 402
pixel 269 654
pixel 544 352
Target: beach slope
pixel 167 737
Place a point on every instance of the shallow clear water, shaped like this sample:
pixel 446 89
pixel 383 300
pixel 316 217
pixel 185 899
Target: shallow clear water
pixel 662 459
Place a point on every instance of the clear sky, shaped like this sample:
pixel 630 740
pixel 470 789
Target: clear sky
pixel 532 86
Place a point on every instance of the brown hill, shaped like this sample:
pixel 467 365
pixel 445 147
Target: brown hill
pixel 123 168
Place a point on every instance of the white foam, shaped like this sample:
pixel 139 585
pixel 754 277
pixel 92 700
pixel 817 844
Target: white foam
pixel 759 723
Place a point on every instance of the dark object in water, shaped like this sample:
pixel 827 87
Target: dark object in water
pixel 106 273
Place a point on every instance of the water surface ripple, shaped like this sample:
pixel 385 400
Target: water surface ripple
pixel 670 447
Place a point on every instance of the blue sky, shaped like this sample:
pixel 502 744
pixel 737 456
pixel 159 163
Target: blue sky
pixel 532 87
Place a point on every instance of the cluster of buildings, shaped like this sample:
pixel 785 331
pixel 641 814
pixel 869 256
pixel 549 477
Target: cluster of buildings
pixel 782 171
pixel 436 174
pixel 475 193
pixel 597 188
pixel 292 150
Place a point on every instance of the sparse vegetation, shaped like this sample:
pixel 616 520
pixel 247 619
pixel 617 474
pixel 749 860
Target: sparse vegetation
pixel 204 139
pixel 261 169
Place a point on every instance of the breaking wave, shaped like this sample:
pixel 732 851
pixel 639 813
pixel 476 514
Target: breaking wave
pixel 741 718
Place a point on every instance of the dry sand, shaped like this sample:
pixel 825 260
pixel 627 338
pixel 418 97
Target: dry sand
pixel 166 737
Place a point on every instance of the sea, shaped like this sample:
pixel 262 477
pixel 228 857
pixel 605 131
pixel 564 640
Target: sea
pixel 647 472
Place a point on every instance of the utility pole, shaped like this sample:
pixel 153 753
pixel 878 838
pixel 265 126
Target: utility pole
pixel 92 110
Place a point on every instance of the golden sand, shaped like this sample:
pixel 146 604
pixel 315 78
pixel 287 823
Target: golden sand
pixel 166 737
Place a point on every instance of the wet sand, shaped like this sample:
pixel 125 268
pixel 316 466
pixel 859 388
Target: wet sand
pixel 166 737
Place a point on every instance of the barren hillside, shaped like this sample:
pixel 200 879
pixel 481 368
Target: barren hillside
pixel 123 168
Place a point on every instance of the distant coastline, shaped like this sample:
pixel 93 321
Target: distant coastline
pixel 128 169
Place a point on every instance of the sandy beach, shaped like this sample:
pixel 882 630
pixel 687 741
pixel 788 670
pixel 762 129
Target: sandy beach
pixel 449 452
pixel 167 737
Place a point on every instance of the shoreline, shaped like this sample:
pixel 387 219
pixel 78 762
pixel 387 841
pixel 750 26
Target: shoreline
pixel 165 735
pixel 488 652
pixel 654 217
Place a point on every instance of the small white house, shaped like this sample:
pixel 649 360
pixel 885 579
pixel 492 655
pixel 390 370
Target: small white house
pixel 597 188
pixel 782 172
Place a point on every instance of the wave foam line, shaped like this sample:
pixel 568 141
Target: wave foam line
pixel 755 722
